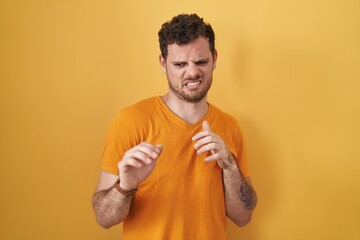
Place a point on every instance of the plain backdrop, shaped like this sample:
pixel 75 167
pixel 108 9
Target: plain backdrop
pixel 288 71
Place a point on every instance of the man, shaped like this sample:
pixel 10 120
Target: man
pixel 174 166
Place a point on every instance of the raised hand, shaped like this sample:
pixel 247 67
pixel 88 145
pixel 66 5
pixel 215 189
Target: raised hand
pixel 137 164
pixel 208 141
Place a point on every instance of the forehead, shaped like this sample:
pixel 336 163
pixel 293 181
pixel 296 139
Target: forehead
pixel 199 48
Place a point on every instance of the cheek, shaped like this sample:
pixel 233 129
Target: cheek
pixel 175 74
pixel 208 72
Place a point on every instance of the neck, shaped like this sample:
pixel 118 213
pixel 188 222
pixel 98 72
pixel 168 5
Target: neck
pixel 190 112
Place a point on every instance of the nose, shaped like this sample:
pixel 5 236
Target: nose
pixel 192 72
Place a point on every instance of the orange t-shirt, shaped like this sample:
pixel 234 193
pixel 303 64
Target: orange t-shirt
pixel 183 198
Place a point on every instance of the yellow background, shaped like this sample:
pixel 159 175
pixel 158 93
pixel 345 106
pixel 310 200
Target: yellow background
pixel 287 70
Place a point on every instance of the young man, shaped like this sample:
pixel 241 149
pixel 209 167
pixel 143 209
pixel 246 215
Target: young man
pixel 174 166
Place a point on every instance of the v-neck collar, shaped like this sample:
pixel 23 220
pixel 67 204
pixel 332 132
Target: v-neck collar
pixel 178 120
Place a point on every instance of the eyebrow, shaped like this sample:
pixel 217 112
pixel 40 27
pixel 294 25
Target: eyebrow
pixel 197 61
pixel 202 60
pixel 178 62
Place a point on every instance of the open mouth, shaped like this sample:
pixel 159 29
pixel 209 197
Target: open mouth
pixel 192 84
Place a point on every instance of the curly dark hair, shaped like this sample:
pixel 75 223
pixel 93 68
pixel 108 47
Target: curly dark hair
pixel 183 29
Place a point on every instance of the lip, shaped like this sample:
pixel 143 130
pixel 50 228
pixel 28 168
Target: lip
pixel 192 84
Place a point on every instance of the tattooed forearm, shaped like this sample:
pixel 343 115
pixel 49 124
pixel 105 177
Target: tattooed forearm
pixel 240 197
pixel 246 195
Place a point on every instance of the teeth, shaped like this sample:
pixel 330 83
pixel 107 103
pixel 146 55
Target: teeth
pixel 192 83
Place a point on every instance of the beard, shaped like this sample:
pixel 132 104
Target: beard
pixel 191 96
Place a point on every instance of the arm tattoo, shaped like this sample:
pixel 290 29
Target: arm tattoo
pixel 246 195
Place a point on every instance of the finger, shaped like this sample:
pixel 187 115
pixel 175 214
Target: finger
pixel 158 149
pixel 150 150
pixel 208 147
pixel 206 126
pixel 141 156
pixel 204 141
pixel 201 135
pixel 213 157
pixel 156 152
pixel 149 145
pixel 144 147
pixel 128 163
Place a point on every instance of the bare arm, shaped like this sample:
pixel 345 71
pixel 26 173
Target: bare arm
pixel 111 207
pixel 240 198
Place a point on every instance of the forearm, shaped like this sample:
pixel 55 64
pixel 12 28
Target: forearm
pixel 111 207
pixel 240 197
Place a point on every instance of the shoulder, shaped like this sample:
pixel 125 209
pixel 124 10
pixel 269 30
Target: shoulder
pixel 221 116
pixel 132 116
pixel 139 110
pixel 224 123
pixel 141 105
pixel 227 126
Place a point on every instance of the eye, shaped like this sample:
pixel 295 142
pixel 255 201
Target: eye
pixel 201 62
pixel 179 64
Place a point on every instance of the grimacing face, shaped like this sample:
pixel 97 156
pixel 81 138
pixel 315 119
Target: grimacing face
pixel 189 69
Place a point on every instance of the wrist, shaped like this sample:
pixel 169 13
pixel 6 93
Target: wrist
pixel 232 166
pixel 124 191
pixel 230 163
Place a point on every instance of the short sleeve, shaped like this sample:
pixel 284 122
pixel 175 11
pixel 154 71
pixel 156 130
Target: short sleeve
pixel 120 137
pixel 241 151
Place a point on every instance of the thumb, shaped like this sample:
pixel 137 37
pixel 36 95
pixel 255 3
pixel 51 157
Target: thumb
pixel 159 148
pixel 206 126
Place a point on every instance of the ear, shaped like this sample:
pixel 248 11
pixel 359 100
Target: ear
pixel 215 59
pixel 162 63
